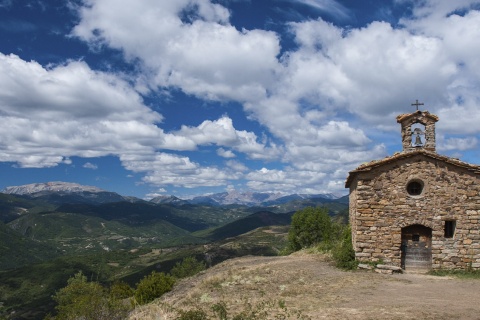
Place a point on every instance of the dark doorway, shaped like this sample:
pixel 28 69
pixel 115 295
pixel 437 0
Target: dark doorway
pixel 416 247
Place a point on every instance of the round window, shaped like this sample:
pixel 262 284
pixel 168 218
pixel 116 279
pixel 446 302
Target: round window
pixel 415 188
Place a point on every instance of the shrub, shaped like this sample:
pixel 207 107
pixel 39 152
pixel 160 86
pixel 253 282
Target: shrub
pixel 121 290
pixel 81 299
pixel 187 268
pixel 343 253
pixel 153 286
pixel 310 226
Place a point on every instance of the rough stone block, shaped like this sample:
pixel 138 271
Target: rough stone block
pixel 383 271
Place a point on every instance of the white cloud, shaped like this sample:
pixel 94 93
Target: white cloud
pixel 225 153
pixel 71 110
pixel 236 166
pixel 460 144
pixel 207 56
pixel 288 179
pixel 221 132
pixel 89 165
pixel 164 169
pixel 320 103
pixel 373 73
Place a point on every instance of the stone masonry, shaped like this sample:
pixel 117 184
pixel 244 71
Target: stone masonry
pixel 416 189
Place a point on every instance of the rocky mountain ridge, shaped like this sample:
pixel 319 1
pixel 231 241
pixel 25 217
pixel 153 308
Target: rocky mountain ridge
pixel 68 192
pixel 54 186
pixel 65 192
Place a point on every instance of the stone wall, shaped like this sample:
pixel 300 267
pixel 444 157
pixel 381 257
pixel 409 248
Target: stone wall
pixel 380 207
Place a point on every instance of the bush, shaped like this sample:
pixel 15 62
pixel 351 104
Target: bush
pixel 343 253
pixel 153 286
pixel 81 299
pixel 187 268
pixel 121 290
pixel 310 226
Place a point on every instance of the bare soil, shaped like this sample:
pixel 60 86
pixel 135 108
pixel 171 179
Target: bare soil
pixel 309 287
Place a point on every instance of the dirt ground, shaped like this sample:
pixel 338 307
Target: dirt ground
pixel 310 288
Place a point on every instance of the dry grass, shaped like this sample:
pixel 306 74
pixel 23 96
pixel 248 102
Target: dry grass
pixel 306 286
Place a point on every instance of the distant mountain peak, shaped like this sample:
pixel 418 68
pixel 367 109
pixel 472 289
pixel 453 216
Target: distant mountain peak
pixel 250 198
pixel 168 200
pixel 66 192
pixel 54 186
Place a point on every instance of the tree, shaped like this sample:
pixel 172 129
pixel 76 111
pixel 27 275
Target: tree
pixel 310 226
pixel 153 286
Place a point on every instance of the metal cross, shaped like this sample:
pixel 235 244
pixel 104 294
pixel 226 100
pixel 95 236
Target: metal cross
pixel 417 104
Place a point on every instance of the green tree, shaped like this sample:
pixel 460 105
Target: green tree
pixel 187 268
pixel 310 226
pixel 153 286
pixel 82 299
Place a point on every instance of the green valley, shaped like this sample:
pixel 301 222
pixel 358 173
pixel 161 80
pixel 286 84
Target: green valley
pixel 42 244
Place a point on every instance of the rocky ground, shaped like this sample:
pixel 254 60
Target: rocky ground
pixel 306 286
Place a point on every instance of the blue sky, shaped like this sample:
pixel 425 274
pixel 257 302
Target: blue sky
pixel 189 97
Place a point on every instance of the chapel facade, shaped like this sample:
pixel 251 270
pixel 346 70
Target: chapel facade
pixel 416 209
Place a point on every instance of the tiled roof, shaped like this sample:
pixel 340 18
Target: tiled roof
pixel 408 154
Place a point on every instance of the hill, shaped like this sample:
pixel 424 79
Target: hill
pixel 246 224
pixel 50 231
pixel 17 250
pixel 77 233
pixel 306 286
pixel 27 290
pixel 12 206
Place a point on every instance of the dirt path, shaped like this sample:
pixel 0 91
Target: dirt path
pixel 309 284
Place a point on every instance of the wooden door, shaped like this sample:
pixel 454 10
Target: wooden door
pixel 416 247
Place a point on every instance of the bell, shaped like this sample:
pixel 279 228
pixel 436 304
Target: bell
pixel 418 140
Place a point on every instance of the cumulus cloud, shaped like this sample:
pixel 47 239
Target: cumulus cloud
pixel 69 110
pixel 163 169
pixel 221 132
pixel 225 153
pixel 320 102
pixel 460 144
pixel 52 113
pixel 204 56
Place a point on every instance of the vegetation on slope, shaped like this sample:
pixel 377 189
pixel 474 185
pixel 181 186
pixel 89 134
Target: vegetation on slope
pixel 78 233
pixel 16 250
pixel 43 246
pixel 314 227
pixel 12 207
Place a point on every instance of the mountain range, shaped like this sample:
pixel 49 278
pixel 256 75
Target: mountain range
pixel 49 231
pixel 67 192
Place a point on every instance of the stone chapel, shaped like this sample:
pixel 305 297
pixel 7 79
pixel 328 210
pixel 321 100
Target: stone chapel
pixel 416 209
